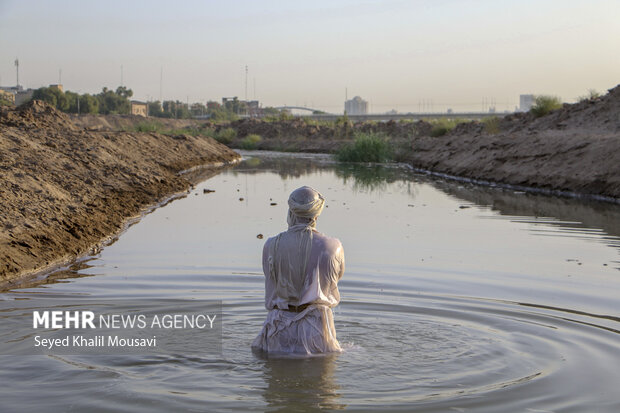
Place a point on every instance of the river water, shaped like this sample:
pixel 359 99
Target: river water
pixel 455 298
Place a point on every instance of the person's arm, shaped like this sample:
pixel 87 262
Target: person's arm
pixel 341 260
pixel 266 258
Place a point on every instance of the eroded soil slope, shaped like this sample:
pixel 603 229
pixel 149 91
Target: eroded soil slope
pixel 64 189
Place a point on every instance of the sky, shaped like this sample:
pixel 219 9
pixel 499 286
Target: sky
pixel 412 55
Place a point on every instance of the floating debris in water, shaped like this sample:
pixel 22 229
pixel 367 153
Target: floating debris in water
pixel 259 236
pixel 241 199
pixel 273 203
pixel 464 206
pixel 208 191
pixel 411 205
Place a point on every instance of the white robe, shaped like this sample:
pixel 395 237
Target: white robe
pixel 301 266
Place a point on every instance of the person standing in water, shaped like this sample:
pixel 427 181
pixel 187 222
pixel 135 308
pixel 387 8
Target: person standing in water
pixel 302 268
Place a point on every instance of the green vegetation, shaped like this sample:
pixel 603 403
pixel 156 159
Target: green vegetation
pixel 147 126
pixel 225 135
pixel 592 94
pixel 108 101
pixel 344 126
pixel 491 125
pixel 250 141
pixel 5 102
pixel 367 147
pixel 278 115
pixel 443 126
pixel 543 104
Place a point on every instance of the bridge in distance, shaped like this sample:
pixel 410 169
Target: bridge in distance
pixel 397 116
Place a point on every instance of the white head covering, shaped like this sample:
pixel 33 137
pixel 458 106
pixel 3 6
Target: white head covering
pixel 305 205
pixel 290 250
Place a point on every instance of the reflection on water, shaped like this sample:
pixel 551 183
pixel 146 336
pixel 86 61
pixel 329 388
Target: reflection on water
pixel 455 298
pixel 302 384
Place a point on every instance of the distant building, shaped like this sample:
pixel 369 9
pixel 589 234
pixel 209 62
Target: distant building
pixel 139 108
pixel 23 96
pixel 19 94
pixel 525 102
pixel 254 109
pixel 7 96
pixel 356 106
pixel 230 99
pixel 57 87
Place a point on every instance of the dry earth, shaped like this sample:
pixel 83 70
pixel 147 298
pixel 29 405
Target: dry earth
pixel 574 149
pixel 64 189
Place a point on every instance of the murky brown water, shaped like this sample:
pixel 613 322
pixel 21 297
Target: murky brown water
pixel 455 298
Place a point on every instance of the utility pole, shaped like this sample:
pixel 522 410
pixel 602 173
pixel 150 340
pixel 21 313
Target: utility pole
pixel 60 76
pixel 121 75
pixel 17 70
pixel 246 83
pixel 161 81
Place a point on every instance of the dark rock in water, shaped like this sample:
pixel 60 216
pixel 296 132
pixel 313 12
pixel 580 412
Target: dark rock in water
pixel 259 236
pixel 241 199
pixel 274 203
pixel 208 191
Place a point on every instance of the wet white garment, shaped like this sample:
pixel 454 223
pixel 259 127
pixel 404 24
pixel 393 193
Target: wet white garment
pixel 301 266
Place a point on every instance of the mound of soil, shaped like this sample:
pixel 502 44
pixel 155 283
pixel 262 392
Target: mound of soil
pixel 573 149
pixel 65 189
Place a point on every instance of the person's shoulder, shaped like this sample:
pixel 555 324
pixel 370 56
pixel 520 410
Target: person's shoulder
pixel 271 240
pixel 328 242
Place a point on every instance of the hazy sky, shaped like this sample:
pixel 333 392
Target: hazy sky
pixel 403 55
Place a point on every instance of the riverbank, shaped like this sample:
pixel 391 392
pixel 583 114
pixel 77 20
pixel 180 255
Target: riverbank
pixel 573 150
pixel 65 190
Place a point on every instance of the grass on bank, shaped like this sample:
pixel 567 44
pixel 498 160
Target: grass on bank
pixel 225 135
pixel 592 94
pixel 443 126
pixel 543 104
pixel 492 125
pixel 157 127
pixel 367 147
pixel 250 141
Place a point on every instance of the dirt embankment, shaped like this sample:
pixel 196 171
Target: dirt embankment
pixel 64 189
pixel 574 149
pixel 129 122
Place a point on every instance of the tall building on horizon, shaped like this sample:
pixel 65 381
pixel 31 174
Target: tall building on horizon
pixel 525 102
pixel 356 106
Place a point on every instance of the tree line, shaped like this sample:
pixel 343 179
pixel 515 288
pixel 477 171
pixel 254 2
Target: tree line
pixel 117 101
pixel 106 102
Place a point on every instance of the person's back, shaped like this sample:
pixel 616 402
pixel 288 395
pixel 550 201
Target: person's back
pixel 302 268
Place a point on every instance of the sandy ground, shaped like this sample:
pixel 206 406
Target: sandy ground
pixel 64 189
